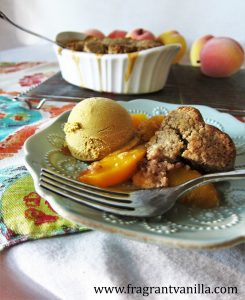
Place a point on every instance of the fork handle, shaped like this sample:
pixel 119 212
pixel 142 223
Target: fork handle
pixel 214 177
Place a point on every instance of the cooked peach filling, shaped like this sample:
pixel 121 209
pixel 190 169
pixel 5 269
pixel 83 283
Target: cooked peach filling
pixel 121 166
pixel 205 196
pixel 114 168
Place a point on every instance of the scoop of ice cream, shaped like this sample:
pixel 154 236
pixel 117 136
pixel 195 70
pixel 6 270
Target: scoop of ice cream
pixel 97 127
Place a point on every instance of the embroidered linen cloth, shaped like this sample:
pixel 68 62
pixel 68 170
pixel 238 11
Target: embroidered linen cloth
pixel 24 215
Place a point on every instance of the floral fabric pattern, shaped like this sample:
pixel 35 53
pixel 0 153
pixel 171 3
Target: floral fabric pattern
pixel 10 67
pixel 24 215
pixel 34 79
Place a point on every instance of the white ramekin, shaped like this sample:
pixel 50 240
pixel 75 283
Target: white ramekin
pixel 131 73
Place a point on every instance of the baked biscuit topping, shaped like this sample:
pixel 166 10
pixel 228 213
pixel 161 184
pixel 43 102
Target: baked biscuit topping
pixel 185 139
pixel 111 46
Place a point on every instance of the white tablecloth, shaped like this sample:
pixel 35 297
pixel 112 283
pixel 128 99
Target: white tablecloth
pixel 69 267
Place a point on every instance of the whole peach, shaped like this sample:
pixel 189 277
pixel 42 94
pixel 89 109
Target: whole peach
pixel 141 34
pixel 95 32
pixel 117 34
pixel 221 57
pixel 174 37
pixel 196 48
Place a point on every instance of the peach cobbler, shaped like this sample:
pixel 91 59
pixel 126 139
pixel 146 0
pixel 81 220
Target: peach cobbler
pixel 162 151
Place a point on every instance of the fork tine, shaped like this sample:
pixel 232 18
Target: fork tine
pixel 106 206
pixel 83 186
pixel 83 192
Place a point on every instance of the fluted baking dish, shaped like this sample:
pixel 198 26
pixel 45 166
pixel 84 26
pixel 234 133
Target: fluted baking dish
pixel 139 72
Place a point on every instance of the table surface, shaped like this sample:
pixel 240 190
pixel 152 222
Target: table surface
pixel 185 85
pixel 68 267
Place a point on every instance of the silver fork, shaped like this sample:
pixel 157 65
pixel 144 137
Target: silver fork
pixel 140 203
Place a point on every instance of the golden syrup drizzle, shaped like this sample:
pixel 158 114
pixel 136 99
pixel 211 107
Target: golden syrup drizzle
pixel 98 58
pixel 131 61
pixel 60 50
pixel 76 60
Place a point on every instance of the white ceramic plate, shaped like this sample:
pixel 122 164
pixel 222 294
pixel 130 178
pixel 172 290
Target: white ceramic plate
pixel 182 226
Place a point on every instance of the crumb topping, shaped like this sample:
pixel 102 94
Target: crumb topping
pixel 111 46
pixel 184 139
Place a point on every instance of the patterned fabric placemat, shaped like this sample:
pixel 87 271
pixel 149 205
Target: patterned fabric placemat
pixel 24 215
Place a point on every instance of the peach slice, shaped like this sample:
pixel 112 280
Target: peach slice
pixel 114 168
pixel 137 119
pixel 205 196
pixel 148 127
